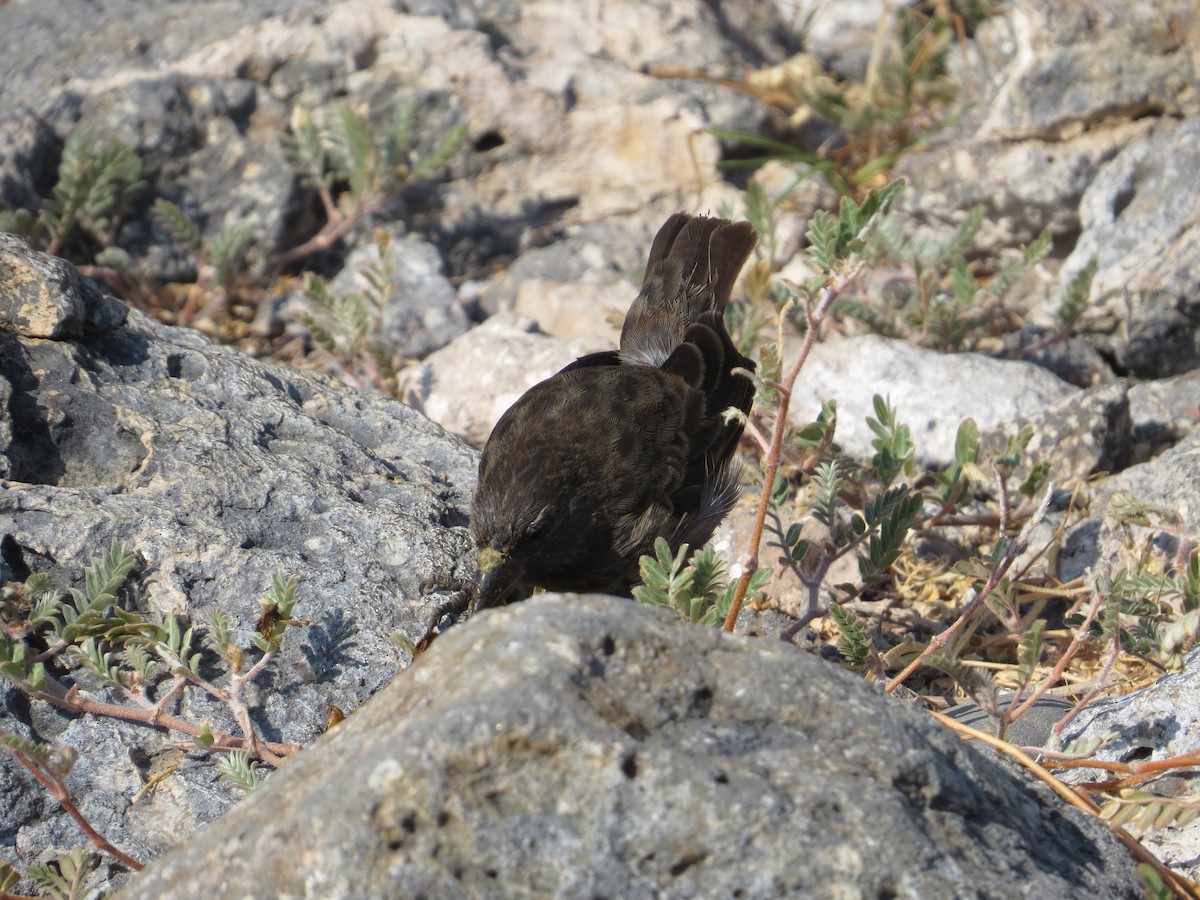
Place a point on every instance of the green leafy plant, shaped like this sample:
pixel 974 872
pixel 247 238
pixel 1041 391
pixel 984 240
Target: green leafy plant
pixel 356 169
pixel 1150 614
pixel 902 101
pixel 1069 310
pixel 64 879
pixel 853 643
pixel 939 304
pixel 219 261
pixel 835 254
pixel 695 587
pixel 122 650
pixel 96 188
pixel 144 663
pixel 239 770
pixel 344 324
pixel 50 768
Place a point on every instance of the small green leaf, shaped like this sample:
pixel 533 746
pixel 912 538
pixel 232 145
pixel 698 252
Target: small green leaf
pixel 238 770
pixel 1076 295
pixel 1030 653
pixel 779 489
pixel 8 877
pixel 966 443
pixel 178 223
pixel 853 644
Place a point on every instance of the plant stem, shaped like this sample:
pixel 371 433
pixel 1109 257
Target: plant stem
pixel 72 701
pixel 771 463
pixel 1052 679
pixel 940 640
pixel 58 790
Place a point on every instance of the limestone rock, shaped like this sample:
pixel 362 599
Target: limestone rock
pixel 932 392
pixel 217 472
pixel 1144 306
pixel 589 746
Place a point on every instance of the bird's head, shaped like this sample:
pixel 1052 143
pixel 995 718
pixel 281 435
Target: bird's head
pixel 509 538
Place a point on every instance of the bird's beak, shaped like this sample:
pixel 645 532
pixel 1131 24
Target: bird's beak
pixel 497 576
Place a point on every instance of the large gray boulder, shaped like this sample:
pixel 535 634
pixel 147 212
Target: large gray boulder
pixel 217 471
pixel 579 746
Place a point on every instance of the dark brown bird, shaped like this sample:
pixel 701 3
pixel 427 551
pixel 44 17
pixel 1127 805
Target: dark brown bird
pixel 591 465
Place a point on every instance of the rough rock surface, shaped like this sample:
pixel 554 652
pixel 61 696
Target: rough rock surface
pixel 1145 298
pixel 217 471
pixel 1169 484
pixel 546 89
pixel 1082 434
pixel 421 311
pixel 852 371
pixel 1078 116
pixel 585 746
pixel 1158 722
pixel 1075 98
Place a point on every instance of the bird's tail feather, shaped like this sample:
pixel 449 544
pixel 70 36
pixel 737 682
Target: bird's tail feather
pixel 693 264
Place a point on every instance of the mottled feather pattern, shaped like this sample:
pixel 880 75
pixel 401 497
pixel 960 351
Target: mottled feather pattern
pixel 588 467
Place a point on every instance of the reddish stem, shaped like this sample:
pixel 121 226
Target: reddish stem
pixel 940 640
pixel 771 463
pixel 58 790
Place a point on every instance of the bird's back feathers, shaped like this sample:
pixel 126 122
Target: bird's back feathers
pixel 624 446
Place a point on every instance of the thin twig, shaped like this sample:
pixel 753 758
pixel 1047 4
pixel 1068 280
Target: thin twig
pixel 1081 634
pixel 54 784
pixel 71 700
pixel 771 463
pixel 233 698
pixel 331 232
pixel 1181 885
pixel 1098 684
pixel 1015 549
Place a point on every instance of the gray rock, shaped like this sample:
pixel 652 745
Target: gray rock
pixel 1162 412
pixel 583 746
pixel 1032 728
pixel 1080 64
pixel 1050 91
pixel 1170 482
pixel 932 392
pixel 1025 186
pixel 1133 432
pixel 207 124
pixel 218 472
pixel 582 282
pixel 93 43
pixel 1144 306
pixel 569 260
pixel 467 386
pixel 6 571
pixel 1072 359
pixel 421 312
pixel 40 295
pixel 1080 435
pixel 206 111
pixel 1158 722
pixel 839 33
